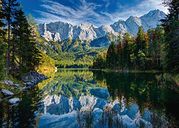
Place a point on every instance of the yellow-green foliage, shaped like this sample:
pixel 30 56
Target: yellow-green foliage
pixel 47 65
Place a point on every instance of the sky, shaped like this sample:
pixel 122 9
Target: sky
pixel 96 12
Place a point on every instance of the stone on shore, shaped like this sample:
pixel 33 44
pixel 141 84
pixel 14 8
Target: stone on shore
pixel 7 92
pixel 14 100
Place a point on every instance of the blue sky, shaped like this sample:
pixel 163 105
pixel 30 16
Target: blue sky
pixel 96 12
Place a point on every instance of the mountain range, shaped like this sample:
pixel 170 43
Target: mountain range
pixel 59 31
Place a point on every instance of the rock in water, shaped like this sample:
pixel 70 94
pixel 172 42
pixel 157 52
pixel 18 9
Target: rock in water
pixel 32 78
pixel 7 92
pixel 14 100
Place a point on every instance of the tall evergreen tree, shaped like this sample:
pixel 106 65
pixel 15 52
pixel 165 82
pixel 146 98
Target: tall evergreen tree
pixel 9 8
pixel 25 38
pixel 119 50
pixel 140 48
pixel 140 40
pixel 126 50
pixel 2 45
pixel 171 26
pixel 111 56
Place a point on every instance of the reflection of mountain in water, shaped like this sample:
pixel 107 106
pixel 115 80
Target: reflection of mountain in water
pixel 76 99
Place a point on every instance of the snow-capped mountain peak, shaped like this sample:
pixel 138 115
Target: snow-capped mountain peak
pixel 58 31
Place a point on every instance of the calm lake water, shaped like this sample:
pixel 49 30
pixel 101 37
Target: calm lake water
pixel 96 99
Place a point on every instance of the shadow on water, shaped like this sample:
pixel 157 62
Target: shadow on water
pixel 21 115
pixel 149 90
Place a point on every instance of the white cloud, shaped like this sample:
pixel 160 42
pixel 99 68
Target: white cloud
pixel 140 9
pixel 86 12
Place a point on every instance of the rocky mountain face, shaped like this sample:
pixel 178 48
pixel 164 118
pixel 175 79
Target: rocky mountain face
pixel 59 31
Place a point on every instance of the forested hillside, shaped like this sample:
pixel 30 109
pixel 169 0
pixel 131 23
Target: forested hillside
pixel 156 49
pixel 19 40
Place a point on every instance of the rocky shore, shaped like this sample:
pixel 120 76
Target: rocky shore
pixel 28 80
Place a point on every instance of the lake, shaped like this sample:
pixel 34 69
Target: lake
pixel 96 99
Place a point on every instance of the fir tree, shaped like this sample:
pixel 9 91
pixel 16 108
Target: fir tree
pixel 140 40
pixel 25 38
pixel 10 7
pixel 140 48
pixel 171 26
pixel 111 56
pixel 126 50
pixel 2 45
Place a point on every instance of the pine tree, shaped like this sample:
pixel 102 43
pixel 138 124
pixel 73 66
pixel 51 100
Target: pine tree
pixel 140 48
pixel 1 20
pixel 119 50
pixel 25 38
pixel 9 8
pixel 2 45
pixel 140 40
pixel 171 26
pixel 126 50
pixel 111 56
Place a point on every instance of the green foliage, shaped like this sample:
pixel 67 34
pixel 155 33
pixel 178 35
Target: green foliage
pixel 2 59
pixel 25 54
pixel 70 53
pixel 171 26
pixel 140 40
pixel 2 45
pixel 143 53
pixel 100 61
pixel 46 65
pixel 111 55
pixel 9 8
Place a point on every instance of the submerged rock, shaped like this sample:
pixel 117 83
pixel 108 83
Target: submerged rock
pixel 14 100
pixel 100 92
pixel 7 92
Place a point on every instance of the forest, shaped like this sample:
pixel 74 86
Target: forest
pixel 156 49
pixel 24 50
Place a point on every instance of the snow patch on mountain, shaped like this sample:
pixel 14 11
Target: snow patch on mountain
pixel 59 31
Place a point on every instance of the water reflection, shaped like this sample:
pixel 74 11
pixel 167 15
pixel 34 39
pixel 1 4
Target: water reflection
pixel 86 99
pixel 101 99
pixel 22 114
pixel 149 90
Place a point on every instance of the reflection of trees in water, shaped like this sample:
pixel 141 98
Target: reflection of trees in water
pixel 22 114
pixel 155 91
pixel 106 119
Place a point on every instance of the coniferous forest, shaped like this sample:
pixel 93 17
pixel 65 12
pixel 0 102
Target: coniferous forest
pixel 156 49
pixel 19 53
